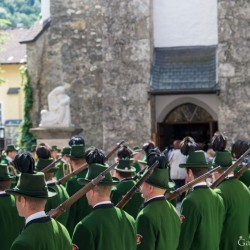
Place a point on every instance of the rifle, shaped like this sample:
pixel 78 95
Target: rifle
pixel 242 170
pixel 47 168
pixel 55 213
pixel 85 165
pixel 125 199
pixel 228 170
pixel 170 196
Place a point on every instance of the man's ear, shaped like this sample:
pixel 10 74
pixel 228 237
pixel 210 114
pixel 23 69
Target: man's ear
pixel 190 173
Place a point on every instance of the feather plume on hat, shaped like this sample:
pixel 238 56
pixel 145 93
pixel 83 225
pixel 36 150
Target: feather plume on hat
pixel 187 145
pixel 24 162
pixel 219 142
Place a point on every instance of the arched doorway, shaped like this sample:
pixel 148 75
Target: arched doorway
pixel 186 120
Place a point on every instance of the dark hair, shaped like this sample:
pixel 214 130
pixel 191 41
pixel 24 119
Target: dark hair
pixel 43 152
pixel 197 172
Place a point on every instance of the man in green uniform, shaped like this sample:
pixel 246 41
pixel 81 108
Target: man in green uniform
pixel 106 227
pixel 62 194
pixel 202 210
pixel 236 197
pixel 11 152
pixel 10 223
pixel 63 165
pixel 40 232
pixel 81 208
pixel 158 224
pixel 124 173
pixel 238 149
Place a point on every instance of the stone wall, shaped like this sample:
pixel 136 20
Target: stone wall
pixel 101 51
pixel 234 68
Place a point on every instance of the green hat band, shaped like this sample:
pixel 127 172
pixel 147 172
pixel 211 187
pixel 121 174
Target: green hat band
pixel 93 171
pixel 223 159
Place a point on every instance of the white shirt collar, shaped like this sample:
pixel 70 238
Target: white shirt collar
pixel 203 183
pixel 35 216
pixel 9 159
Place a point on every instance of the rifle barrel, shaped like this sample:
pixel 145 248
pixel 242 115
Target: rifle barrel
pixel 85 165
pixel 231 168
pixel 55 213
pixel 170 196
pixel 122 203
pixel 47 168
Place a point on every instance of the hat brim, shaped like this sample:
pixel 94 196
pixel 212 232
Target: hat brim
pixel 170 185
pixel 131 170
pixel 114 182
pixel 51 193
pixel 6 178
pixel 191 165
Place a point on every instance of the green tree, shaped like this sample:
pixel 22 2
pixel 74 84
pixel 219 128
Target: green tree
pixel 21 13
pixel 26 139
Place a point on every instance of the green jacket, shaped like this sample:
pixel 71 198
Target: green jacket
pixel 245 178
pixel 236 197
pixel 59 173
pixel 79 209
pixel 202 216
pixel 11 224
pixel 106 228
pixel 134 203
pixel 43 234
pixel 55 201
pixel 158 226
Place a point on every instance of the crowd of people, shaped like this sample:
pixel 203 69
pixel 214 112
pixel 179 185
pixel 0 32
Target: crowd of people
pixel 33 185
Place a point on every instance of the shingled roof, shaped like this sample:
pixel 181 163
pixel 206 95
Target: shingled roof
pixel 12 52
pixel 184 70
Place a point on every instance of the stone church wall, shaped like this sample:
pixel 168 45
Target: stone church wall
pixel 234 68
pixel 101 50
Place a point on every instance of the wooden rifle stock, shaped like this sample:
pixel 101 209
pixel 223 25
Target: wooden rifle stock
pixel 242 170
pixel 50 166
pixel 85 165
pixel 121 204
pixel 55 213
pixel 170 196
pixel 228 170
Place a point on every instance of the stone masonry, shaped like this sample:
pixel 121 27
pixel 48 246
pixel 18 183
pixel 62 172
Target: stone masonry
pixel 234 68
pixel 101 50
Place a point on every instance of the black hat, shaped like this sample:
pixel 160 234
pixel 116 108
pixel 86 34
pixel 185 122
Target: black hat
pixel 4 173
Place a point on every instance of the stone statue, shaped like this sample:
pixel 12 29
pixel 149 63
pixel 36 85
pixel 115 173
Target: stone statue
pixel 58 113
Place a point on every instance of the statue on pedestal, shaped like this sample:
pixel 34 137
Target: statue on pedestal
pixel 58 113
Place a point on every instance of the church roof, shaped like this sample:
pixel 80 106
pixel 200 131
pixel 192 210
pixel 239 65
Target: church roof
pixel 12 52
pixel 184 69
pixel 35 31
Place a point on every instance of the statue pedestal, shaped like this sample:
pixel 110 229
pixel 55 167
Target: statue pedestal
pixel 58 136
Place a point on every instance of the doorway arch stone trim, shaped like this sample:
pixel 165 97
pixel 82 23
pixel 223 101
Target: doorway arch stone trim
pixel 209 104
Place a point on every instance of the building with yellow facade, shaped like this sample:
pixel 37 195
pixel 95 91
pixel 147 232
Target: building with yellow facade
pixel 12 57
